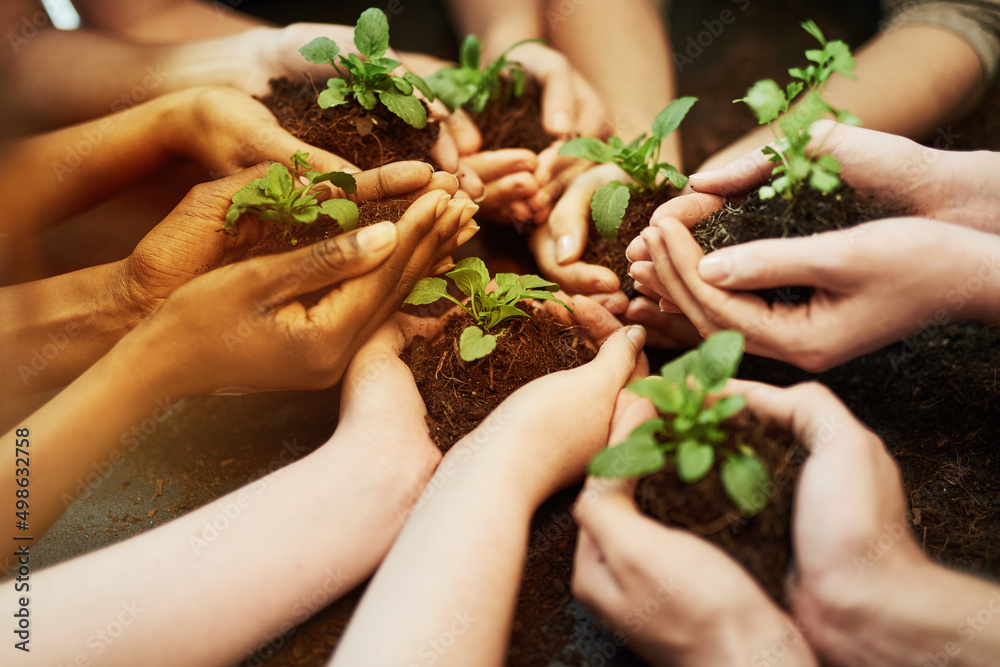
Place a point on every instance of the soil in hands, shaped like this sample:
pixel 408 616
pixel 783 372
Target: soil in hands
pixel 459 395
pixel 810 212
pixel 368 139
pixel 761 543
pixel 370 213
pixel 611 254
pixel 514 122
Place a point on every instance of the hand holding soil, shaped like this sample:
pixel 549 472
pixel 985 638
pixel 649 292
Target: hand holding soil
pixel 853 310
pixel 708 610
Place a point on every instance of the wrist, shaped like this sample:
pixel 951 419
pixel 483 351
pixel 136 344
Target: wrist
pixel 507 31
pixel 494 461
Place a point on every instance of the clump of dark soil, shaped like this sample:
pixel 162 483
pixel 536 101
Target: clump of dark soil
pixel 459 395
pixel 761 543
pixel 514 122
pixel 368 139
pixel 810 212
pixel 611 254
pixel 370 213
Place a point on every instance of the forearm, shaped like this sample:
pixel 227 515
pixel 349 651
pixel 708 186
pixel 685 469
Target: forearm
pixel 634 32
pixel 260 561
pixel 454 570
pixel 168 21
pixel 54 329
pixel 929 76
pixel 499 25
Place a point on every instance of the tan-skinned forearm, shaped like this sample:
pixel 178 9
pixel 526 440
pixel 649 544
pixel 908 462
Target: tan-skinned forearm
pixel 499 24
pixel 910 81
pixel 634 33
pixel 166 21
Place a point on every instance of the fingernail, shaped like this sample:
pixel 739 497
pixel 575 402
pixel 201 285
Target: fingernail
pixel 467 233
pixel 715 268
pixel 703 174
pixel 561 123
pixel 637 334
pixel 564 248
pixel 445 266
pixel 442 204
pixel 373 238
pixel 470 210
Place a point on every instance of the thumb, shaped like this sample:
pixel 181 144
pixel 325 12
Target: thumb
pixel 618 356
pixel 736 177
pixel 325 263
pixel 774 263
pixel 570 218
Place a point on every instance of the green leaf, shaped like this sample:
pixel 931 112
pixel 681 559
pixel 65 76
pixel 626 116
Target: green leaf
pixel 847 118
pixel 667 397
pixel 505 312
pixel 505 279
pixel 545 295
pixel 719 357
pixel 822 180
pixel 470 55
pixel 694 460
pixel 474 344
pixel 407 107
pixel 471 276
pixel 766 192
pixel 419 84
pixel 343 211
pixel 608 208
pixel 402 85
pixel 670 118
pixel 840 56
pixel 452 87
pixel 813 29
pixel 793 89
pixel 341 179
pixel 587 149
pixel 279 183
pixel 678 370
pixel 322 51
pixel 746 483
pixel 427 290
pixel 531 281
pixel 676 178
pixel 367 99
pixel 334 95
pixel 635 457
pixel 829 163
pixel 371 35
pixel 727 407
pixel 766 99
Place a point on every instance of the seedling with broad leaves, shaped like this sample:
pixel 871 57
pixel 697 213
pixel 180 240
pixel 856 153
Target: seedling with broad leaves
pixel 275 197
pixel 473 88
pixel 689 430
pixel 369 81
pixel 795 167
pixel 488 307
pixel 639 159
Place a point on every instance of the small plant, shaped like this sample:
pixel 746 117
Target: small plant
pixel 794 167
pixel 370 80
pixel 692 433
pixel 276 198
pixel 489 309
pixel 468 86
pixel 640 160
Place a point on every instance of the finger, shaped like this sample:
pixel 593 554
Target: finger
pixel 671 279
pixel 492 165
pixel 816 260
pixel 735 178
pixel 465 133
pixel 467 228
pixel 665 330
pixel 283 145
pixel 688 209
pixel 470 182
pixel 577 277
pixel 325 263
pixel 510 188
pixel 392 180
pixel 637 251
pixel 441 181
pixel 645 273
pixel 594 583
pixel 558 114
pixel 599 322
pixel 571 216
pixel 556 185
pixel 445 151
pixel 618 356
pixel 615 302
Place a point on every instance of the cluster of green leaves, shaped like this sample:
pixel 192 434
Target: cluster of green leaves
pixel 490 308
pixel 370 80
pixel 276 197
pixel 689 429
pixel 473 88
pixel 639 159
pixel 794 166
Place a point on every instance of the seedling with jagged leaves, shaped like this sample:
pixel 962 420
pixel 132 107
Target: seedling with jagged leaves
pixel 490 308
pixel 276 197
pixel 690 430
pixel 470 87
pixel 794 166
pixel 640 160
pixel 370 80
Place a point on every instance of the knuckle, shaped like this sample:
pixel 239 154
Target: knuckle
pixel 331 256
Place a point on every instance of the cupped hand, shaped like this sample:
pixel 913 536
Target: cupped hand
pixel 188 242
pixel 854 551
pixel 874 284
pixel 243 327
pixel 508 182
pixel 679 599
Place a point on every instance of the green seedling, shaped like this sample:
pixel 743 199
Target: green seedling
pixel 276 197
pixel 795 167
pixel 689 429
pixel 639 159
pixel 489 308
pixel 473 88
pixel 369 81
